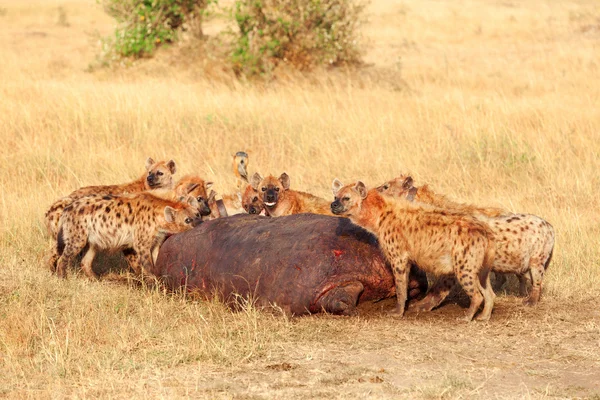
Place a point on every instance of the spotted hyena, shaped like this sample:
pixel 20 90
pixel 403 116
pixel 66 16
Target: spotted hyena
pixel 280 200
pixel 439 241
pixel 159 175
pixel 135 224
pixel 524 242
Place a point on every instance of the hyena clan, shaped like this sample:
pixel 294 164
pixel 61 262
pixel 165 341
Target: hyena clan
pixel 280 200
pixel 159 175
pixel 136 224
pixel 524 242
pixel 439 242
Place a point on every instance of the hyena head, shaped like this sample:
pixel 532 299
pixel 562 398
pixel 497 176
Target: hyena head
pixel 348 199
pixel 251 201
pixel 182 218
pixel 192 186
pixel 240 165
pixel 397 187
pixel 159 174
pixel 270 189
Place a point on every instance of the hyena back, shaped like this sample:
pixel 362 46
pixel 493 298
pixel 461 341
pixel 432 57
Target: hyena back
pixel 440 242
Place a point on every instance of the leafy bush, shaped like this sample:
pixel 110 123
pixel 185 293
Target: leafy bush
pixel 146 24
pixel 304 33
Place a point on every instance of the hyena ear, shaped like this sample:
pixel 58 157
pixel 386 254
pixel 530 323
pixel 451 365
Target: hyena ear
pixel 208 185
pixel 361 189
pixel 285 181
pixel 256 180
pixel 149 163
pixel 212 195
pixel 408 183
pixel 171 166
pixel 169 214
pixel 192 186
pixel 336 186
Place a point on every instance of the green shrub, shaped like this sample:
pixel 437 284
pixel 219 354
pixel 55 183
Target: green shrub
pixel 303 33
pixel 146 24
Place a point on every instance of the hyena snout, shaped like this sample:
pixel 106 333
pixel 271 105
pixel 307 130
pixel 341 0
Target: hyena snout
pixel 254 210
pixel 204 208
pixel 197 220
pixel 271 197
pixel 337 207
pixel 152 179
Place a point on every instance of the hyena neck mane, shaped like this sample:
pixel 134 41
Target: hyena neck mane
pixel 371 210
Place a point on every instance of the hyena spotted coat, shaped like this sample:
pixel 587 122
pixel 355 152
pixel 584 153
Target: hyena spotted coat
pixel 438 241
pixel 159 175
pixel 524 242
pixel 135 224
pixel 280 200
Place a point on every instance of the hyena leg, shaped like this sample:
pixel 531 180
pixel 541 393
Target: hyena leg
pixel 72 249
pixel 499 281
pixel 86 262
pixel 435 296
pixel 523 284
pixel 489 296
pixel 133 260
pixel 417 282
pixel 53 259
pixel 537 275
pixel 467 276
pixel 146 262
pixel 400 268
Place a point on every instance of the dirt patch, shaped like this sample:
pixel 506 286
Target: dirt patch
pixel 551 350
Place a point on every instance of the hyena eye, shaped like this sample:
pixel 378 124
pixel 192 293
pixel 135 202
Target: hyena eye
pixel 159 173
pixel 264 189
pixel 386 186
pixel 277 189
pixel 188 220
pixel 200 198
pixel 346 198
pixel 255 199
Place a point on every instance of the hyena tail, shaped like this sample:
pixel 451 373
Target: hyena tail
pixel 549 259
pixel 60 242
pixel 549 248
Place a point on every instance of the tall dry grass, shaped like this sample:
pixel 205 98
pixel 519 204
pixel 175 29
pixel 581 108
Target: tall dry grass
pixel 501 109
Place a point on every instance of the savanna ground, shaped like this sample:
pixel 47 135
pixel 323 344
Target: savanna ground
pixel 494 102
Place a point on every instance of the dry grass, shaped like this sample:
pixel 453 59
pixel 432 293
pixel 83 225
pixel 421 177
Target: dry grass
pixel 500 107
